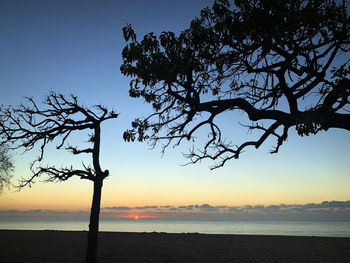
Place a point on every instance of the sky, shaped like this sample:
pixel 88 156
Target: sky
pixel 74 47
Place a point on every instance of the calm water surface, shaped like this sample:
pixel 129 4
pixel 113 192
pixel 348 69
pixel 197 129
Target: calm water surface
pixel 295 228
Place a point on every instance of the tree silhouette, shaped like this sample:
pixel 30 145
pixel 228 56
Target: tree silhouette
pixel 28 126
pixel 281 64
pixel 6 167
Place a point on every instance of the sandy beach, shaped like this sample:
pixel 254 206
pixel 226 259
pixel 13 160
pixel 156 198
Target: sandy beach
pixel 69 246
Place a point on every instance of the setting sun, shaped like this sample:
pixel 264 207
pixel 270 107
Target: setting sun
pixel 136 217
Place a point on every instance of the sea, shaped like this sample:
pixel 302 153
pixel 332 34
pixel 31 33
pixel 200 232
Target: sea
pixel 287 228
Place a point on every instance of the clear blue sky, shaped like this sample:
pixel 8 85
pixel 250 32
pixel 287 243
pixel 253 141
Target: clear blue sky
pixel 75 47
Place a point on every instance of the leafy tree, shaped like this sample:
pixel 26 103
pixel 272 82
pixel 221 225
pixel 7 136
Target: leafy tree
pixel 29 126
pixel 6 168
pixel 282 64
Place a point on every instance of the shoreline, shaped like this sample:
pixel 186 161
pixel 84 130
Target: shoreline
pixel 173 233
pixel 69 246
pixel 280 228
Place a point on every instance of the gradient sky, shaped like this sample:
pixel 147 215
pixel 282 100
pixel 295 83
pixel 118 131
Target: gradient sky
pixel 75 47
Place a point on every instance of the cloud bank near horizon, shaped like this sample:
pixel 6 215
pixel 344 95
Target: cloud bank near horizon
pixel 327 210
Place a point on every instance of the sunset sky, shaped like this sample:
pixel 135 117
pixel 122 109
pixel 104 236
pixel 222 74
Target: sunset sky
pixel 75 47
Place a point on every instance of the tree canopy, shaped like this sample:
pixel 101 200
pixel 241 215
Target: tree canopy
pixel 283 64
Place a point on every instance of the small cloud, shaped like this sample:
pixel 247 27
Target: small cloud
pixel 206 207
pixel 117 208
pixel 146 207
pixel 222 207
pixel 186 207
pixel 41 211
pixel 336 204
pixel 273 208
pixel 233 209
pixel 165 206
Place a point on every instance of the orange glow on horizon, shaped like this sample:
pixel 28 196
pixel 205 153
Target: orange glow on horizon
pixel 135 216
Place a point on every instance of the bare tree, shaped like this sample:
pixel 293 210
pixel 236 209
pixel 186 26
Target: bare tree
pixel 29 125
pixel 282 64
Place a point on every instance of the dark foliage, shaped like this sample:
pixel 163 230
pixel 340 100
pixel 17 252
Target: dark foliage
pixel 282 63
pixel 6 168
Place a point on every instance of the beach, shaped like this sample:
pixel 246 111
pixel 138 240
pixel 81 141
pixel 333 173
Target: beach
pixel 69 246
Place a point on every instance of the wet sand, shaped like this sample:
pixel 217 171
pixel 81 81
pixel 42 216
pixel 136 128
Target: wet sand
pixel 69 246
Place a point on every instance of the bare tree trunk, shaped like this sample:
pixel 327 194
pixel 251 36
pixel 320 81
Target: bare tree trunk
pixel 91 252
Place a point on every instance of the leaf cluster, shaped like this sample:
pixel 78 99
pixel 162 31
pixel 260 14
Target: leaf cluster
pixel 268 59
pixel 6 168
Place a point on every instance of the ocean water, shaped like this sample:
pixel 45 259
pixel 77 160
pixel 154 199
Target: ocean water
pixel 288 228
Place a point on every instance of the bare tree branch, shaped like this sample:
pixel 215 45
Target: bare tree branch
pixel 32 125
